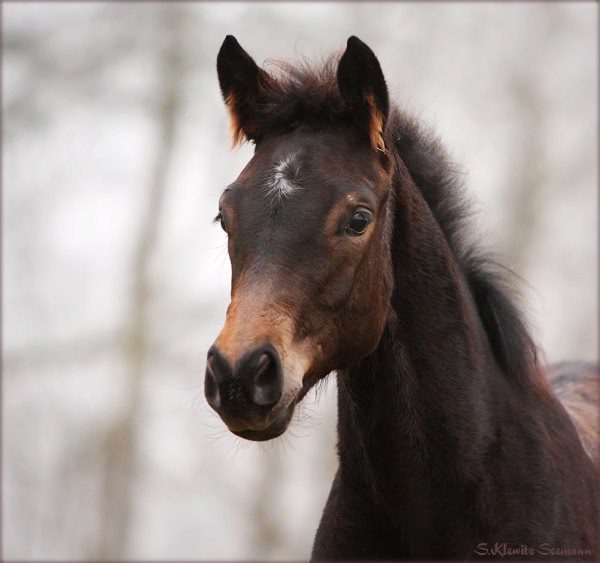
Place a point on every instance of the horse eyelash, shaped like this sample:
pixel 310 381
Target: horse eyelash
pixel 217 219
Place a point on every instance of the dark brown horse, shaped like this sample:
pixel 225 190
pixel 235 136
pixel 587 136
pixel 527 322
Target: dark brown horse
pixel 349 252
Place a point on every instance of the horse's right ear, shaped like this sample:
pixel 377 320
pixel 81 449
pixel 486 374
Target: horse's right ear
pixel 241 80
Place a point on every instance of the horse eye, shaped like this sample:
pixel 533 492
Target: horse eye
pixel 220 219
pixel 359 223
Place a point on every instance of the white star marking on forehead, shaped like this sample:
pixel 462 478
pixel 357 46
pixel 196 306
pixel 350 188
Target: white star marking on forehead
pixel 285 177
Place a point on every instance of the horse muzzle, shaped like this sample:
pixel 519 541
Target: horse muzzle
pixel 249 395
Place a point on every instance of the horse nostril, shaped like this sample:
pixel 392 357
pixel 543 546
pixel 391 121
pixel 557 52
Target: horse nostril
pixel 267 381
pixel 218 365
pixel 217 370
pixel 262 375
pixel 211 389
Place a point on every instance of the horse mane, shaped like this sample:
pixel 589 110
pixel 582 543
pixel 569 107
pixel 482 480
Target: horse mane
pixel 304 94
pixel 492 285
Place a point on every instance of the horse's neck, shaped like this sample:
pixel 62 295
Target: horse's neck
pixel 417 405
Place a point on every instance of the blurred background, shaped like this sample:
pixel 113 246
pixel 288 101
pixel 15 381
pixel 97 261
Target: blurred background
pixel 116 282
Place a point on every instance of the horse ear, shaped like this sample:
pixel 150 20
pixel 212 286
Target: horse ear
pixel 362 86
pixel 241 82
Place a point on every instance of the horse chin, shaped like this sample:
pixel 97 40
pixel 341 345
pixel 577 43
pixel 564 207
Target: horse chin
pixel 274 430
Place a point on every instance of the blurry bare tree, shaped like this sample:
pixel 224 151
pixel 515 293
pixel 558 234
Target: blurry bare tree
pixel 529 176
pixel 119 446
pixel 108 454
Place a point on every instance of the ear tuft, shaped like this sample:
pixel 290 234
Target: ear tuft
pixel 362 86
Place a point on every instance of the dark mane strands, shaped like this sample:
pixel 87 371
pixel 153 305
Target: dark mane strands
pixel 441 186
pixel 302 94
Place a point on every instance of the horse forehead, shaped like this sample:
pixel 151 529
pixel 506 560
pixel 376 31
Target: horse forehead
pixel 313 148
pixel 304 169
pixel 300 177
pixel 294 166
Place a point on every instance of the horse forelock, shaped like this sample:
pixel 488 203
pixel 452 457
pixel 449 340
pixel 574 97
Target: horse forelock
pixel 301 93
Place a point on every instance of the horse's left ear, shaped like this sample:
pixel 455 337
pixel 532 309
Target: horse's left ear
pixel 242 82
pixel 362 85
